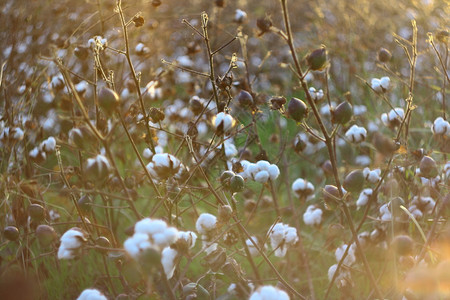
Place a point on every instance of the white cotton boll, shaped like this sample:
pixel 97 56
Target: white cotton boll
pixel 251 248
pixel 385 82
pixel 209 247
pixel 342 278
pixel 350 258
pixel 301 187
pixel 274 172
pixel 269 292
pixel 73 239
pixel 384 119
pixel 223 120
pixel 147 153
pixel 81 87
pixel 396 113
pixel 262 176
pixel 161 160
pixel 263 165
pixel 385 213
pixel 252 169
pixel 206 223
pixel 91 294
pixel 240 16
pixel 417 213
pixel 363 160
pixel 17 134
pixel 64 253
pixel 230 148
pixel 359 110
pixel 312 216
pixel 316 95
pixel 373 176
pixel 168 256
pixel 364 197
pixel 281 237
pixel 376 85
pixel 356 134
pixel 441 127
pixel 189 236
pixel 136 244
pixel 291 235
pixel 48 145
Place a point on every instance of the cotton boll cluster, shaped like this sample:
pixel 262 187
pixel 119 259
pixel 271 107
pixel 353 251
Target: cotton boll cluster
pixel 206 225
pixel 393 118
pixel 303 188
pixel 364 197
pixel 260 171
pixel 316 95
pixel 350 259
pixel 48 145
pixel 269 292
pixel 164 166
pixel 282 237
pixel 223 123
pixel 421 205
pixel 356 134
pixel 91 294
pixel 343 278
pixel 381 85
pixel 71 243
pixel 14 134
pixel 441 127
pixel 373 176
pixel 312 216
pixel 150 234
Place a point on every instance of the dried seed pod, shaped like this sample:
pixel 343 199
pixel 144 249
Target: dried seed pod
pixel 108 100
pixel 297 109
pixel 342 113
pixel 45 234
pixel 354 181
pixel 317 59
pixel 11 233
pixel 428 167
pixel 384 55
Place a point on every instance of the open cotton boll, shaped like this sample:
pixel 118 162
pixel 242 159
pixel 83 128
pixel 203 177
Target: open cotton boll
pixel 269 292
pixel 137 244
pixel 373 176
pixel 149 226
pixel 375 83
pixel 303 188
pixel 441 127
pixel 342 279
pixel 189 236
pixel 251 248
pixel 91 294
pixel 168 256
pixel 350 258
pixel 263 165
pixel 385 213
pixel 312 216
pixel 230 148
pixel 385 82
pixel 223 121
pixel 274 172
pixel 364 197
pixel 48 145
pixel 262 176
pixel 240 16
pixel 206 223
pixel 281 237
pixel 71 241
pixel 356 134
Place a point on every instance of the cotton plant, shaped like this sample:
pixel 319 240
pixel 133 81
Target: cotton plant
pixel 303 188
pixel 312 216
pixel 91 294
pixel 150 234
pixel 269 292
pixel 282 237
pixel 72 242
pixel 356 134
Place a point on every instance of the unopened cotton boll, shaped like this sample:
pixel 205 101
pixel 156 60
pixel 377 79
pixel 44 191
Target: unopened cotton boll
pixel 206 223
pixel 91 294
pixel 364 197
pixel 441 127
pixel 269 292
pixel 356 134
pixel 312 216
pixel 168 256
